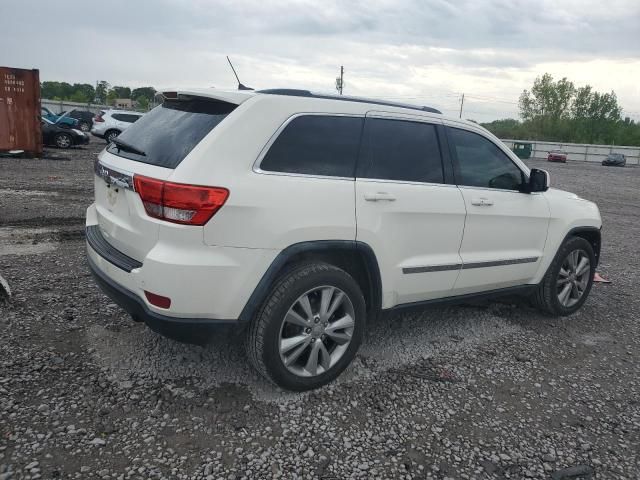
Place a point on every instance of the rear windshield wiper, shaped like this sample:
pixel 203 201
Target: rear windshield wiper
pixel 127 147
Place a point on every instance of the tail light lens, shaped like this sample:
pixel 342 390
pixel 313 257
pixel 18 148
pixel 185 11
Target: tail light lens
pixel 98 118
pixel 177 202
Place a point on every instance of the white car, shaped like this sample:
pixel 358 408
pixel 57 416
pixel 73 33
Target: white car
pixel 298 217
pixel 108 124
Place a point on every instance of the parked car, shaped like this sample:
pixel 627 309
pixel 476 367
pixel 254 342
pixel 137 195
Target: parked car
pixel 61 137
pixel 298 217
pixel 108 124
pixel 615 160
pixel 557 156
pixel 61 119
pixel 84 117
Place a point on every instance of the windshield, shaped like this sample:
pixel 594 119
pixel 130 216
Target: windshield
pixel 170 131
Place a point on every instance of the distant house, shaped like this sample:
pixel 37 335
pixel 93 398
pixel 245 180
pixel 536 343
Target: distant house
pixel 123 103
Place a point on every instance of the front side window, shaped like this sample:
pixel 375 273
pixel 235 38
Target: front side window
pixel 480 163
pixel 402 150
pixel 316 145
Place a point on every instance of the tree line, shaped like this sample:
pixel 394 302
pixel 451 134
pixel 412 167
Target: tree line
pixel 102 93
pixel 558 111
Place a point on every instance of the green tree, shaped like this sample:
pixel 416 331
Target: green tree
pixel 122 92
pixel 143 103
pixel 143 92
pixel 111 97
pixel 547 98
pixel 102 90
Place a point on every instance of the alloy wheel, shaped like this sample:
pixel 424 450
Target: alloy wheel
pixel 316 331
pixel 573 278
pixel 63 141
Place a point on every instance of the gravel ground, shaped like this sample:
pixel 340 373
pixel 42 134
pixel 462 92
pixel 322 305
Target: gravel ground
pixel 489 390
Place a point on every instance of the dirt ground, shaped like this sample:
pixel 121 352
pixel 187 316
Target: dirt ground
pixel 490 390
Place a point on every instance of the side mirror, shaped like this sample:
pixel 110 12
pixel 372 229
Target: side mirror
pixel 539 181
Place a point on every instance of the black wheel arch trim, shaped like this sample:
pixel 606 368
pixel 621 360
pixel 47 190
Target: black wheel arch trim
pixel 319 246
pixel 597 245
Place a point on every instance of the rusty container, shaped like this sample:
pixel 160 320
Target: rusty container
pixel 20 110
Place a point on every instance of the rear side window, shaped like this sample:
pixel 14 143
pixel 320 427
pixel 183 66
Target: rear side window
pixel 126 117
pixel 316 145
pixel 170 131
pixel 402 150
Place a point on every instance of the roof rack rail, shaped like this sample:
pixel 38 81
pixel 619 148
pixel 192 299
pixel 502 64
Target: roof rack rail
pixel 293 92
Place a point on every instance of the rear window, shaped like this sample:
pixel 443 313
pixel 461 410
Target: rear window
pixel 170 131
pixel 316 145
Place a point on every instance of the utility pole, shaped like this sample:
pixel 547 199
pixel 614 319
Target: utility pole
pixel 340 80
pixel 461 104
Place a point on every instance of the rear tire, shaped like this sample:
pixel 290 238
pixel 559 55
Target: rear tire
pixel 110 135
pixel 567 283
pixel 309 327
pixel 63 140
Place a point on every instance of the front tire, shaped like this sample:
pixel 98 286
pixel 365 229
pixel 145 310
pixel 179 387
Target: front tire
pixel 567 283
pixel 309 327
pixel 85 126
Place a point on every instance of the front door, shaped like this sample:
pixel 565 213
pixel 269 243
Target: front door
pixel 505 230
pixel 406 211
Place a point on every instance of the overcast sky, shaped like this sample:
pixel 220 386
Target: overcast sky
pixel 418 51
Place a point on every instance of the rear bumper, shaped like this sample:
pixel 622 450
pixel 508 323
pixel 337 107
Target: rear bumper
pixel 188 330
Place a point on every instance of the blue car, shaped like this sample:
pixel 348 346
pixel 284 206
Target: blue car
pixel 63 121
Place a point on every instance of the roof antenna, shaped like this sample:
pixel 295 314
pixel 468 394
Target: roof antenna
pixel 240 85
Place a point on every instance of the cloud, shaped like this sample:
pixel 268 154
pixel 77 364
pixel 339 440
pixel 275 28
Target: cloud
pixel 420 50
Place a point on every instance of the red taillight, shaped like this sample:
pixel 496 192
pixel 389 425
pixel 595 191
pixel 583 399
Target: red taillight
pixel 158 300
pixel 98 118
pixel 177 202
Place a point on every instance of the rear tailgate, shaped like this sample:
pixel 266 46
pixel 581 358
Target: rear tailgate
pixel 121 215
pixel 151 147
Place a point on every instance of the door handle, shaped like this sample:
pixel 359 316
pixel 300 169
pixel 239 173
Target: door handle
pixel 379 196
pixel 481 202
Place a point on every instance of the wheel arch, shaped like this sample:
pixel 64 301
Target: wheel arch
pixel 593 235
pixel 356 258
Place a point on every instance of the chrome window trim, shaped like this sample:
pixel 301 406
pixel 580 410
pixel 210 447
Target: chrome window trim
pixel 263 152
pixel 404 182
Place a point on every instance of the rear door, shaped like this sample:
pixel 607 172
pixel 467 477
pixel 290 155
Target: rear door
pixel 505 230
pixel 153 146
pixel 407 208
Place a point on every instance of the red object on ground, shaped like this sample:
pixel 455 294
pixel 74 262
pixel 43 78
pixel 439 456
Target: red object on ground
pixel 599 279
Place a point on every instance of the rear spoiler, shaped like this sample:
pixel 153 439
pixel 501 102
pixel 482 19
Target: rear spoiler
pixel 230 96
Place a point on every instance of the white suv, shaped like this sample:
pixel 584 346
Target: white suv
pixel 299 217
pixel 108 124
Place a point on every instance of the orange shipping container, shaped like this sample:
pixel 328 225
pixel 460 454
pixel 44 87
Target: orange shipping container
pixel 20 110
